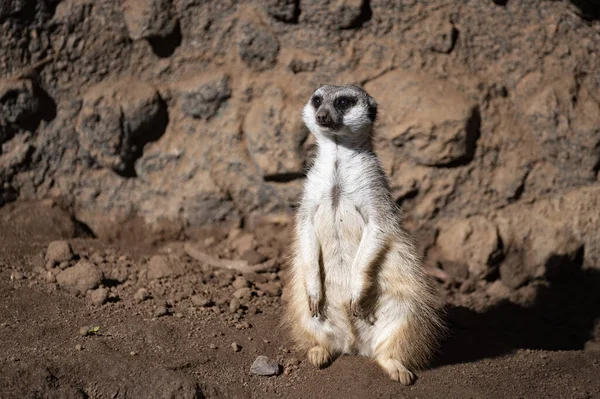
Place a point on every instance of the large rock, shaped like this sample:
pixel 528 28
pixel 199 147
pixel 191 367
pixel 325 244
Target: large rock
pixel 117 119
pixel 200 97
pixel 436 123
pixel 350 13
pixel 274 134
pixel 473 242
pixel 508 178
pixel 149 18
pixel 546 240
pixel 258 48
pixel 336 14
pixel 80 278
pixel 442 33
pixel 283 10
pixel 541 250
pixel 18 105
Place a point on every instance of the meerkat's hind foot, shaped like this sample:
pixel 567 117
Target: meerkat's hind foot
pixel 319 356
pixel 397 371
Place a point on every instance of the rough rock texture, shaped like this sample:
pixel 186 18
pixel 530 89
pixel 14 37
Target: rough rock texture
pixel 149 18
pixel 200 97
pixel 275 135
pixel 283 10
pixel 472 242
pixel 80 278
pixel 59 251
pixel 18 105
pixel 258 48
pixel 178 116
pixel 117 119
pixel 438 125
pixel 265 366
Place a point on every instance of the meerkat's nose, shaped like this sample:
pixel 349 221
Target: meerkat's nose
pixel 323 118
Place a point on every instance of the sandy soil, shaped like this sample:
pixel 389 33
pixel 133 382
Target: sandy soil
pixel 171 344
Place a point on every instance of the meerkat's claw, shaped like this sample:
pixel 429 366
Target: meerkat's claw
pixel 357 310
pixel 371 318
pixel 397 371
pixel 313 305
pixel 319 357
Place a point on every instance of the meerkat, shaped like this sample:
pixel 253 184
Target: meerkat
pixel 356 281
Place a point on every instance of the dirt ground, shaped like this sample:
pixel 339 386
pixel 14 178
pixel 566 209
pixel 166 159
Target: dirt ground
pixel 152 155
pixel 177 339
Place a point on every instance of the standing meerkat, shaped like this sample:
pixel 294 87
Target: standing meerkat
pixel 356 281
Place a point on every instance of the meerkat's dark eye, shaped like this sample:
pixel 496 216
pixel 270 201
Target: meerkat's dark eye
pixel 343 103
pixel 316 101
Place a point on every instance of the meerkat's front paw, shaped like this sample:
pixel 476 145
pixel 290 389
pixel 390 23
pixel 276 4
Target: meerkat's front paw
pixel 314 304
pixel 358 310
pixel 319 356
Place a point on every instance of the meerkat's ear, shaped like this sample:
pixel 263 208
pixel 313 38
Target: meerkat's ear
pixel 371 108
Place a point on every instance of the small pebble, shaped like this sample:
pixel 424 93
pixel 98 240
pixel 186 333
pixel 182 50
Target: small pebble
pixel 213 346
pixel 161 310
pixel 271 289
pixel 201 301
pixel 253 257
pixel 234 305
pixel 132 353
pixel 292 361
pixel 50 277
pixel 242 325
pixel 179 315
pixel 265 366
pixel 63 265
pixel 99 296
pixel 78 347
pixel 236 347
pixel 59 251
pixel 83 331
pixel 141 295
pixel 242 292
pixel 240 282
pixel 17 275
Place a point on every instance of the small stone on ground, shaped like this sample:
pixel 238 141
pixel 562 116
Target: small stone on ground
pixel 265 366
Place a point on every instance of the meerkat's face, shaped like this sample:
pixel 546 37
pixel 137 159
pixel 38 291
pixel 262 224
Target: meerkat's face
pixel 340 110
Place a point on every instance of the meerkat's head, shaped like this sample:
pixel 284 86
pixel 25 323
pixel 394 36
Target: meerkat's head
pixel 344 111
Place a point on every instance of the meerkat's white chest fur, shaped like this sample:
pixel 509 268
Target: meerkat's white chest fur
pixel 338 190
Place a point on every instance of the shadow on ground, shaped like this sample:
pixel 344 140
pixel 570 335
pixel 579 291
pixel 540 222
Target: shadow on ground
pixel 562 318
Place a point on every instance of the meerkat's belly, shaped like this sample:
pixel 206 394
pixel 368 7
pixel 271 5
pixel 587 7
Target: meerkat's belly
pixel 339 227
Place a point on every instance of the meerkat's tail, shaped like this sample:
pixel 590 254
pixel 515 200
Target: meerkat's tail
pixel 412 337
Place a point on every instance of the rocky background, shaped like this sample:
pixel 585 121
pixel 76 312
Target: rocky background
pixel 184 115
